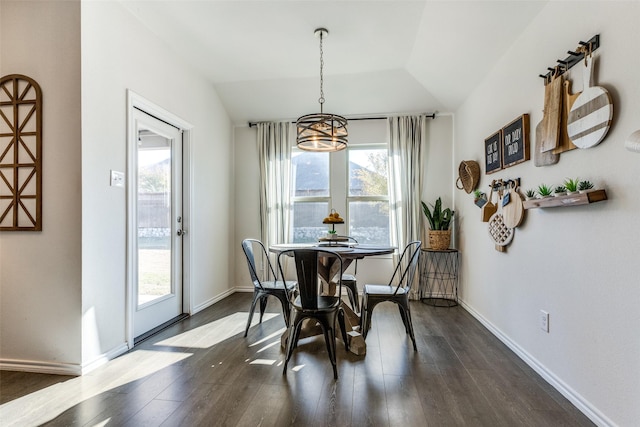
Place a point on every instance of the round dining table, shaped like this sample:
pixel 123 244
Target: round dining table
pixel 348 253
pixel 327 270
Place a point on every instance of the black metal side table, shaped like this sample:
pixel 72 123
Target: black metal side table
pixel 439 277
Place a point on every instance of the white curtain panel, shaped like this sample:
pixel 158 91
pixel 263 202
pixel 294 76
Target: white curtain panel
pixel 407 137
pixel 274 152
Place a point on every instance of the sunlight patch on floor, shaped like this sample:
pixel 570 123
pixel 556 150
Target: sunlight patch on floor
pixel 268 362
pixel 44 405
pixel 47 404
pixel 212 333
pixel 277 333
pixel 266 347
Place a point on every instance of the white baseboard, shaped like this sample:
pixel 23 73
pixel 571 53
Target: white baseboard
pixel 574 397
pixel 104 358
pixel 40 367
pixel 214 300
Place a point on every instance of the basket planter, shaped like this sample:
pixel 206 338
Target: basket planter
pixel 439 240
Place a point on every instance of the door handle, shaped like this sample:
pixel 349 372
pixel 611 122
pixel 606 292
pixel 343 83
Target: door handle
pixel 182 232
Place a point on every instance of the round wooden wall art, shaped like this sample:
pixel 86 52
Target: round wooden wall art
pixel 20 154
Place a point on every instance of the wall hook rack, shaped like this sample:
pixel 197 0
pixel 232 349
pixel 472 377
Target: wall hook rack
pixel 573 58
pixel 504 184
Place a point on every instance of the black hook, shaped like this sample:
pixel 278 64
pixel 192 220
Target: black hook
pixel 585 49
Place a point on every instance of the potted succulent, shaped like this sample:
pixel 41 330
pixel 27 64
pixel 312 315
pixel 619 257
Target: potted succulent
pixel 584 186
pixel 479 198
pixel 544 191
pixel 439 222
pixel 571 185
pixel 560 190
pixel 530 194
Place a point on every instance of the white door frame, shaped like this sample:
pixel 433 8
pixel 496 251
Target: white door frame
pixel 135 101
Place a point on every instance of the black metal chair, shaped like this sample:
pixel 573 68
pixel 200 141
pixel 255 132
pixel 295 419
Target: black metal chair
pixel 396 293
pixel 311 304
pixel 265 281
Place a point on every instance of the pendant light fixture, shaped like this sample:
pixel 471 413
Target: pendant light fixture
pixel 321 131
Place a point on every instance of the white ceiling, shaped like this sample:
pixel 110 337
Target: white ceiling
pixel 397 56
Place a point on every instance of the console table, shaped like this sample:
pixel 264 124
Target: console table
pixel 439 277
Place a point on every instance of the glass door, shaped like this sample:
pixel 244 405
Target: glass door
pixel 157 244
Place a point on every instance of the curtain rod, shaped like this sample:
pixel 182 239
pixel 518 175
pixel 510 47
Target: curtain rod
pixel 429 115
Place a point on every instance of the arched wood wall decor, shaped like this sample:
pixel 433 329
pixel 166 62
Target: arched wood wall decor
pixel 20 154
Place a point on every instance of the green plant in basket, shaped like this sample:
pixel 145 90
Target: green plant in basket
pixel 571 185
pixel 544 190
pixel 585 185
pixel 439 219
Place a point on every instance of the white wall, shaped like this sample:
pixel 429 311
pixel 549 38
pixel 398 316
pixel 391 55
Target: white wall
pixel 578 263
pixel 439 178
pixel 40 272
pixel 438 182
pixel 119 54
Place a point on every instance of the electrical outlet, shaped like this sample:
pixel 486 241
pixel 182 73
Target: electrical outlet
pixel 544 321
pixel 117 179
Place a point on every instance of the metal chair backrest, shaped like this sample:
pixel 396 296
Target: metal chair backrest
pixel 406 268
pixel 306 264
pixel 352 240
pixel 262 272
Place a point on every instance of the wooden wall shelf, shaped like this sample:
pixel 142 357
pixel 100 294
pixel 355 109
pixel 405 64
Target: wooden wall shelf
pixel 571 200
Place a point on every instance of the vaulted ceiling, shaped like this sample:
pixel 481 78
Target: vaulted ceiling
pixel 381 57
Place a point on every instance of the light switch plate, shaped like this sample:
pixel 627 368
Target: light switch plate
pixel 117 179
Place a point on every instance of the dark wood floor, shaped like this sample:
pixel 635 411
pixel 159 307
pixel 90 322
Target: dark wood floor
pixel 202 372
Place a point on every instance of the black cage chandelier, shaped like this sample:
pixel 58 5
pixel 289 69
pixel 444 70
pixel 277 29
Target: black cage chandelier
pixel 321 131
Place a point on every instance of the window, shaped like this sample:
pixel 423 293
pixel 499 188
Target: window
pixel 354 182
pixel 310 195
pixel 368 194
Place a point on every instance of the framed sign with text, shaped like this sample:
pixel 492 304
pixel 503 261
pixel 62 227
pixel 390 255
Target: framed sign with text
pixel 493 153
pixel 515 139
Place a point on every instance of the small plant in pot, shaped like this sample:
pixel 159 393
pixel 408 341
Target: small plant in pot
pixel 585 186
pixel 530 194
pixel 439 222
pixel 571 185
pixel 560 190
pixel 479 198
pixel 544 191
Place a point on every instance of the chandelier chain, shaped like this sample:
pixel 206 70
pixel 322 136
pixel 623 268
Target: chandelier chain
pixel 321 99
pixel 321 132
